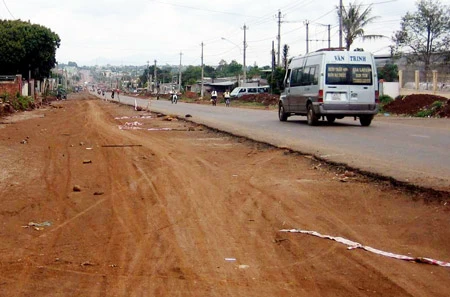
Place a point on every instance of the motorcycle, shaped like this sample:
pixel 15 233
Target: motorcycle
pixel 174 98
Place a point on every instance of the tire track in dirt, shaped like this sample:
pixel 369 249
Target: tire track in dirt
pixel 56 158
pixel 128 188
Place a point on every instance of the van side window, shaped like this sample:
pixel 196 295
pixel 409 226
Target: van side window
pixel 305 81
pixel 314 72
pixel 310 76
pixel 242 90
pixel 296 77
pixel 252 90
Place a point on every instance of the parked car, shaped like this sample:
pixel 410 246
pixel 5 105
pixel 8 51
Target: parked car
pixel 333 84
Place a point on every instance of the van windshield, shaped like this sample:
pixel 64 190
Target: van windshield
pixel 235 91
pixel 349 74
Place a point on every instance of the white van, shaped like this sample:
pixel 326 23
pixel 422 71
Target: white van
pixel 241 91
pixel 331 84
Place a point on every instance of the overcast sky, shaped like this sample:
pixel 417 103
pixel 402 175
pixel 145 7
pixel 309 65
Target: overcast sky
pixel 133 32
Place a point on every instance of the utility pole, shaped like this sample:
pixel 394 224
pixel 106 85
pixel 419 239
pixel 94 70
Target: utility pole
pixel 329 36
pixel 201 90
pixel 244 79
pixel 307 36
pixel 154 79
pixel 148 76
pixel 66 85
pixel 179 78
pixel 340 24
pixel 279 37
pixel 273 65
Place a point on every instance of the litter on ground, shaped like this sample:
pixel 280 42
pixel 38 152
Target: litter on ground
pixel 355 245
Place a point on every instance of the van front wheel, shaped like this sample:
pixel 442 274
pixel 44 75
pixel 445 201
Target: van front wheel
pixel 311 116
pixel 282 115
pixel 365 120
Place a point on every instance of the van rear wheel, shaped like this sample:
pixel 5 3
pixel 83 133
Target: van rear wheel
pixel 311 116
pixel 331 119
pixel 282 115
pixel 365 120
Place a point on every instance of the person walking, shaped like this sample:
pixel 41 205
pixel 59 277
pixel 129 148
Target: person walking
pixel 226 96
pixel 112 94
pixel 214 97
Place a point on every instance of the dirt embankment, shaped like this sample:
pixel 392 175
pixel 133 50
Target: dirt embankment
pixel 420 104
pixel 100 200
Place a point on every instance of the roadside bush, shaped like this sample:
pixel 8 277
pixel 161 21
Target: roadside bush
pixel 437 104
pixel 22 103
pixel 424 113
pixel 385 99
pixel 431 110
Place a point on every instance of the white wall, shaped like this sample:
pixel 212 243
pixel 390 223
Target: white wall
pixel 25 88
pixel 390 88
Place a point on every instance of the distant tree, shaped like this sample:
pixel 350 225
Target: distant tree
pixel 388 72
pixel 234 68
pixel 191 75
pixel 426 32
pixel 285 56
pixel 354 20
pixel 25 46
pixel 209 71
pixel 72 64
pixel 253 71
pixel 221 68
pixel 76 78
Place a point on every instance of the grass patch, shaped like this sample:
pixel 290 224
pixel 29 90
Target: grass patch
pixel 19 102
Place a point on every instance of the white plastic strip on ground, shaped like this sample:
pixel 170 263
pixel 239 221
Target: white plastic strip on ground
pixel 355 245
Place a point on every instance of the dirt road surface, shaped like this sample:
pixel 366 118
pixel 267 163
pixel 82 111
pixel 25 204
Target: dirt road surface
pixel 93 206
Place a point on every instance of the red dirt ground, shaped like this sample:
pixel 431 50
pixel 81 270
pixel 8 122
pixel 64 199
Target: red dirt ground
pixel 192 212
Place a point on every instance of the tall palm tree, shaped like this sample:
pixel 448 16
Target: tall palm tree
pixel 354 19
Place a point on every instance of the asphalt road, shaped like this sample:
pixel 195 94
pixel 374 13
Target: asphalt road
pixel 408 149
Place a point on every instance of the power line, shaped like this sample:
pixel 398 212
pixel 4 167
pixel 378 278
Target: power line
pixel 8 9
pixel 203 9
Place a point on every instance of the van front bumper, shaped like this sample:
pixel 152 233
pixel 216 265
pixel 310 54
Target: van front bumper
pixel 345 109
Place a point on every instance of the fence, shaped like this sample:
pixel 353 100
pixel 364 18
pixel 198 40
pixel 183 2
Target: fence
pixel 10 85
pixel 425 82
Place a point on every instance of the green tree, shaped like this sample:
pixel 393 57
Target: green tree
pixel 388 72
pixel 276 84
pixel 234 69
pixel 285 56
pixel 253 71
pixel 191 75
pixel 426 32
pixel 354 20
pixel 25 46
pixel 209 71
